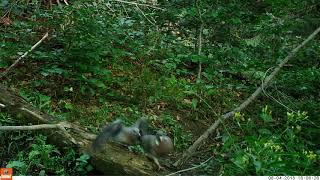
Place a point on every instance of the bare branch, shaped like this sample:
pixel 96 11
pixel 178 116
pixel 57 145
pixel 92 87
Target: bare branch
pixel 153 23
pixel 61 126
pixel 30 128
pixel 24 55
pixel 214 112
pixel 190 151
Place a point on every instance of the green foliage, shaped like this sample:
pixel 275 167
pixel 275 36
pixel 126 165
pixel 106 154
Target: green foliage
pixel 38 99
pixel 82 166
pixel 266 115
pixel 277 151
pixel 105 59
pixel 84 45
pixel 31 155
pixel 45 159
pixel 181 139
pixel 138 149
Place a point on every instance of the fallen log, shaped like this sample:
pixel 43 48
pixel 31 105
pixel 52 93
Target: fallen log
pixel 114 160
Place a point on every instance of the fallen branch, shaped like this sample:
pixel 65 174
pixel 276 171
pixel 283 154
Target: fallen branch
pixel 61 126
pixel 24 55
pixel 30 128
pixel 190 151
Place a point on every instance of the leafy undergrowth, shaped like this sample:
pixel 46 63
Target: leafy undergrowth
pixel 29 153
pixel 99 64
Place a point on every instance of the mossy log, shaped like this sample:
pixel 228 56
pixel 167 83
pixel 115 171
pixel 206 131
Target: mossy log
pixel 114 160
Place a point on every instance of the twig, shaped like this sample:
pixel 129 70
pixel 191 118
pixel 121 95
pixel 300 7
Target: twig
pixel 125 10
pixel 189 169
pixel 66 2
pixel 32 113
pixel 5 14
pixel 285 97
pixel 214 112
pixel 24 55
pixel 134 3
pixel 270 96
pixel 145 16
pixel 189 152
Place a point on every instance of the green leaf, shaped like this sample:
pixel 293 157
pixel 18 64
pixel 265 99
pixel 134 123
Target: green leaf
pixel 257 165
pixel 241 160
pixel 3 64
pixel 83 158
pixel 194 103
pixel 264 131
pixel 33 154
pixel 254 42
pixel 44 73
pixel 42 173
pixel 15 164
pixel 89 168
pixel 98 83
pixel 266 117
pixel 4 3
pixel 68 105
pixel 104 72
